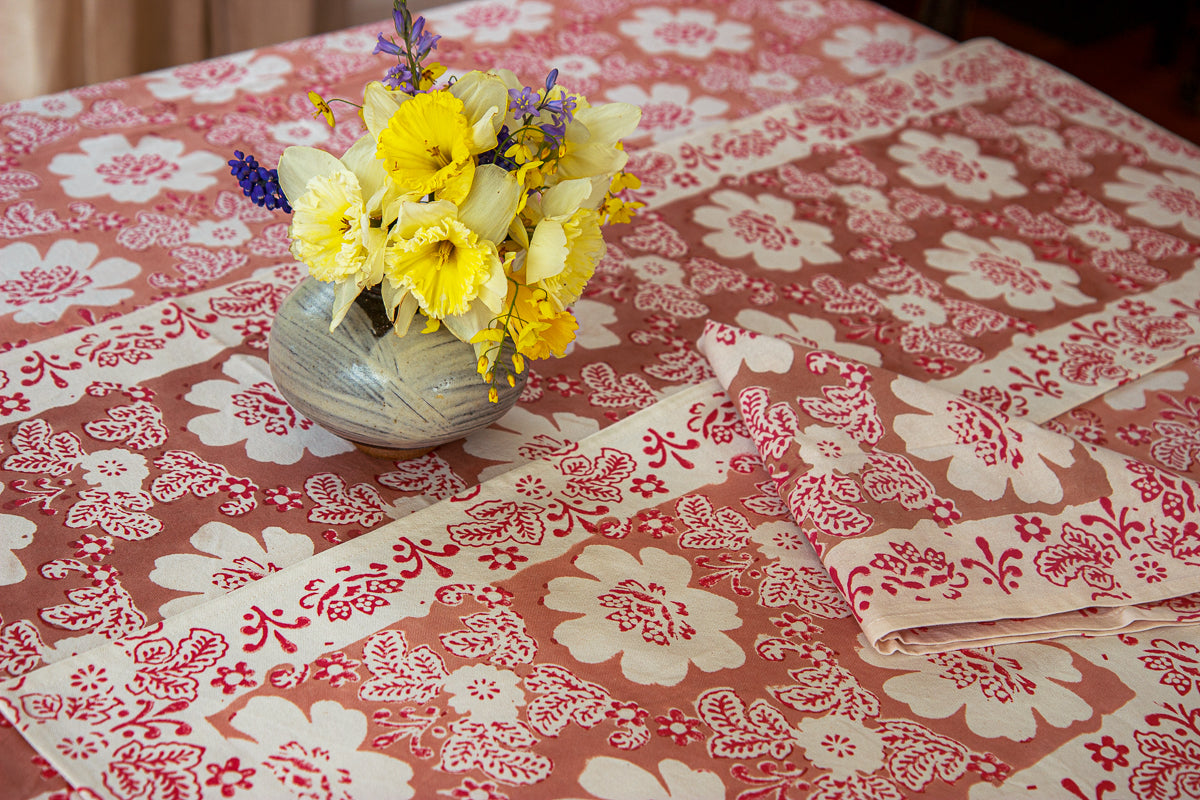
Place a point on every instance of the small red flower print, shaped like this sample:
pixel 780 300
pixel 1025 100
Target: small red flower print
pixel 678 726
pixel 80 747
pixel 649 486
pixel 492 596
pixel 655 523
pixel 1135 308
pixel 337 669
pixel 1134 435
pixel 944 512
pixel 801 627
pixel 1042 354
pixel 103 575
pixel 17 403
pixel 253 328
pixel 237 488
pixel 532 487
pixel 1108 754
pixel 283 498
pixel 565 386
pixel 1090 435
pixel 470 790
pixel 503 557
pixel 89 679
pixel 1031 528
pixel 627 713
pixel 230 678
pixel 989 767
pixel 934 366
pixel 93 547
pixel 229 776
pixel 138 393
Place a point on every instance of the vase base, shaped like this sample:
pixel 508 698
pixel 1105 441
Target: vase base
pixel 392 453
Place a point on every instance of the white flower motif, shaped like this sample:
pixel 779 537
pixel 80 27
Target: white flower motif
pixel 864 51
pixel 354 41
pixel 111 167
pixel 16 533
pixel 839 744
pixel 579 67
pixel 485 693
pixel 234 559
pixel 954 161
pixel 1132 396
pixel 830 450
pixel 63 105
pixel 669 109
pixel 610 778
pixel 249 408
pixel 495 21
pixel 772 82
pixel 316 750
pixel 595 321
pixel 1101 237
pixel 219 233
pixel 915 309
pixel 521 436
pixel 689 32
pixel 645 611
pixel 765 228
pixel 985 449
pixel 783 540
pixel 301 131
pixel 806 331
pixel 217 80
pixel 804 9
pixel 1008 269
pixel 1163 201
pixel 41 289
pixel 115 470
pixel 999 688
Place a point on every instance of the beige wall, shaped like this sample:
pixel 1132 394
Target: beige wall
pixel 47 46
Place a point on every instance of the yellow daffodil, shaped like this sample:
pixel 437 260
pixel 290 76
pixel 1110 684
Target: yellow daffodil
pixel 427 147
pixel 591 147
pixel 437 259
pixel 566 242
pixel 539 330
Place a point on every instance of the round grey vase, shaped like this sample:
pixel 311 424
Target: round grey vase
pixel 391 396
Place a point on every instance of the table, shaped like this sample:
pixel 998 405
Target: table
pixel 606 594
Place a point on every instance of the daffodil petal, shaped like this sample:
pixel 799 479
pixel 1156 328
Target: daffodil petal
pixel 547 251
pixel 298 165
pixel 360 159
pixel 563 199
pixel 344 294
pixel 379 104
pixel 610 122
pixel 492 202
pixel 480 93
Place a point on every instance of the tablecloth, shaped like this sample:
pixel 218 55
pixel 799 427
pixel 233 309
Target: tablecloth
pixel 203 587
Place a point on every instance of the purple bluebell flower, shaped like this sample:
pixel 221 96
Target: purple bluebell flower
pixel 551 79
pixel 423 42
pixel 386 46
pixel 400 77
pixel 258 183
pixel 522 101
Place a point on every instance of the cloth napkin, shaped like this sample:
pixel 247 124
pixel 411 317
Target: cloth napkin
pixel 947 525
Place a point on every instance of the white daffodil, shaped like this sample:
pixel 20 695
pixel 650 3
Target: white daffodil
pixel 337 216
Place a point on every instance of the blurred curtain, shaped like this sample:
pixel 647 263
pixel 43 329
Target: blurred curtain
pixel 50 45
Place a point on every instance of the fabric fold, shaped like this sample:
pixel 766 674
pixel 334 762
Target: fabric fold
pixel 946 524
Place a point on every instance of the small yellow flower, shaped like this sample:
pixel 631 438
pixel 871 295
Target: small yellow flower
pixel 426 147
pixel 322 108
pixel 538 330
pixel 430 74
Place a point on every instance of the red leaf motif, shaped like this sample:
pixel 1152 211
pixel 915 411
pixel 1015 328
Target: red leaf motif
pixel 498 633
pixel 821 498
pixel 39 450
pixel 893 477
pixel 429 475
pixel 597 479
pixel 678 301
pixel 808 588
pixel 1159 333
pixel 773 427
pixel 398 675
pixel 741 732
pixel 166 671
pixel 563 698
pixel 139 425
pixel 20 647
pixel 709 529
pixel 154 229
pixel 919 756
pixel 1087 364
pixel 611 391
pixel 339 504
pixel 499 521
pixel 1081 555
pixel 249 300
pixel 656 236
pixel 120 514
pixel 42 706
pixel 163 771
pixel 491 748
pixel 184 472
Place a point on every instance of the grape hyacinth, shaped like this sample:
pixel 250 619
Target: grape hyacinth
pixel 258 183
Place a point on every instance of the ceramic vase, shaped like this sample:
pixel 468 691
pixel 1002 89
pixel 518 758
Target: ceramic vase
pixel 392 396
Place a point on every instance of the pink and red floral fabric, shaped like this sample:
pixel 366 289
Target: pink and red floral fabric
pixel 198 586
pixel 947 524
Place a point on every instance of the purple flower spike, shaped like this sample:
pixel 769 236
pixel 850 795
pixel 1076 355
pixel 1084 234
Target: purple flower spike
pixel 551 79
pixel 386 46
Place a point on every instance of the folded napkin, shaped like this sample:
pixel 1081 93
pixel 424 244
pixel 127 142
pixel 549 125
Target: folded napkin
pixel 944 523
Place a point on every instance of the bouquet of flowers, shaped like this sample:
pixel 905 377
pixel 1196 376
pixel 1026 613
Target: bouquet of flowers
pixel 475 202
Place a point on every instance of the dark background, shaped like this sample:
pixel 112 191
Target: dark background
pixel 1143 53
